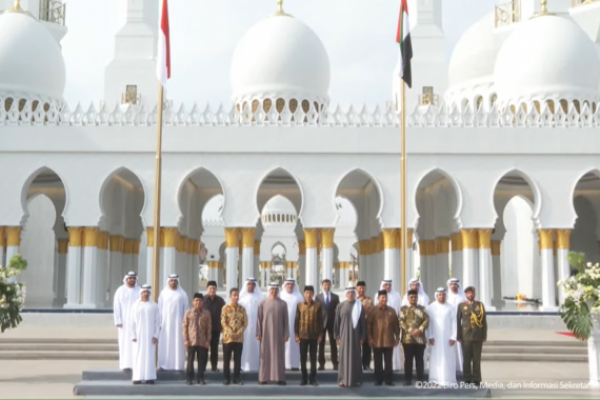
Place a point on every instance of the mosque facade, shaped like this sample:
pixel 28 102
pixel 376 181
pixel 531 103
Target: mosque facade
pixel 503 170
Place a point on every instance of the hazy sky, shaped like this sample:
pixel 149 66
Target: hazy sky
pixel 359 36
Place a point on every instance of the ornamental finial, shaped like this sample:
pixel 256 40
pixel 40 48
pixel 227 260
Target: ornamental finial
pixel 16 8
pixel 280 12
pixel 543 9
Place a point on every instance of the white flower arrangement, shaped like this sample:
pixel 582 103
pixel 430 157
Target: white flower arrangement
pixel 582 296
pixel 12 293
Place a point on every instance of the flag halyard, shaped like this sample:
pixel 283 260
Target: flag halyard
pixel 163 67
pixel 403 40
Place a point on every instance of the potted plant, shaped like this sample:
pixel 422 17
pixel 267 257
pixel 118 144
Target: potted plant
pixel 12 293
pixel 581 308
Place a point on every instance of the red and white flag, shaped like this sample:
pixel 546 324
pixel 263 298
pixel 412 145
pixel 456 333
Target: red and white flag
pixel 163 66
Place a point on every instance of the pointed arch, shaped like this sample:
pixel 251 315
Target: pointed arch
pixel 369 177
pixel 204 178
pixel 449 178
pixel 125 176
pixel 535 190
pixel 39 172
pixel 594 171
pixel 278 173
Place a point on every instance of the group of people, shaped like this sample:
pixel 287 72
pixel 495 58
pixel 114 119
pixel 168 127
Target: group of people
pixel 287 329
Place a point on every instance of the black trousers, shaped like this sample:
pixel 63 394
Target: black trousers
pixel 332 344
pixel 214 350
pixel 416 352
pixel 202 355
pixel 366 355
pixel 236 349
pixel 381 356
pixel 472 355
pixel 308 346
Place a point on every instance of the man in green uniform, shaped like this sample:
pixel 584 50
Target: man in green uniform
pixel 472 334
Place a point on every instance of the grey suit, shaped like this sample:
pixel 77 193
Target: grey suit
pixel 328 320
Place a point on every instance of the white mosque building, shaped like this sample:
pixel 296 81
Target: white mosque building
pixel 503 174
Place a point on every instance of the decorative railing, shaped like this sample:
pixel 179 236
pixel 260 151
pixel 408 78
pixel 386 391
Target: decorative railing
pixel 35 112
pixel 427 99
pixel 53 11
pixel 577 3
pixel 507 13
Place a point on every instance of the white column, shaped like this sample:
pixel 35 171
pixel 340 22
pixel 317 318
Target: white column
pixel 562 252
pixel 2 246
pixel 213 271
pixel 169 254
pixel 147 276
pixel 115 260
pixel 327 253
pixel 127 261
pixel 232 238
pixel 379 260
pixel 470 258
pixel 344 276
pixel 13 244
pixel 497 273
pixel 391 255
pixel 61 266
pixel 312 259
pixel 442 256
pixel 102 271
pixel 265 273
pixel 363 250
pixel 302 260
pixel 90 267
pixel 73 285
pixel 594 352
pixel 247 253
pixel 410 265
pixel 135 256
pixel 548 280
pixel 256 264
pixel 220 273
pixel 485 268
pixel 457 256
pixel 427 254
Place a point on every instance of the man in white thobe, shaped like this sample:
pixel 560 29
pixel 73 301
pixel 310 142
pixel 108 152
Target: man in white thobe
pixel 145 330
pixel 172 304
pixel 125 296
pixel 393 301
pixel 291 295
pixel 441 335
pixel 250 298
pixel 454 297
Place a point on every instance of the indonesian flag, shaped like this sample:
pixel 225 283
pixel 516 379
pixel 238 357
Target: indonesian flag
pixel 403 39
pixel 163 66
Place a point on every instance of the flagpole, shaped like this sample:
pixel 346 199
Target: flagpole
pixel 157 192
pixel 403 230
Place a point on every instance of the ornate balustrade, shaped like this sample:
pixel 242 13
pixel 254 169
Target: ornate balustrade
pixel 53 11
pixel 507 13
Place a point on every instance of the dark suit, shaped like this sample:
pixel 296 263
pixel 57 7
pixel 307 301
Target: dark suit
pixel 328 319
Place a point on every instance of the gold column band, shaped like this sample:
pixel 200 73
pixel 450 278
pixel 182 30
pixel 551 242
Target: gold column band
pixel 248 237
pixel 169 237
pixel 409 238
pixel 256 247
pixel 456 242
pixel 213 264
pixel 75 237
pixel 344 265
pixel 301 247
pixel 13 236
pixel 63 246
pixel 327 238
pixel 563 239
pixel 127 246
pixel 90 236
pixel 442 245
pixel 311 238
pixel 427 247
pixel 2 239
pixel 469 238
pixel 265 264
pixel 136 246
pixel 116 243
pixel 391 238
pixel 485 238
pixel 546 238
pixel 496 247
pixel 150 237
pixel 232 237
pixel 103 240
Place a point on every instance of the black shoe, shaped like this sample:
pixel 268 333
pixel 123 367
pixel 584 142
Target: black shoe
pixel 281 383
pixel 188 382
pixel 407 383
pixel 137 382
pixel 237 382
pixel 226 383
pixel 303 383
pixel 366 368
pixel 214 370
pixel 321 368
pixel 314 383
pixel 335 367
pixel 295 369
pixel 262 383
pixel 390 384
pixel 201 381
pixel 377 383
pixel 149 382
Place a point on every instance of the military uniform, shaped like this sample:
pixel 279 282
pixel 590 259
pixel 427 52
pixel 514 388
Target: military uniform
pixel 472 332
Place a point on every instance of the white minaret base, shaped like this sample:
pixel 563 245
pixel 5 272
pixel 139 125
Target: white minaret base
pixel 548 281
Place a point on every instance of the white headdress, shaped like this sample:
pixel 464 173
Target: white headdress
pixel 421 290
pixel 130 274
pixel 295 293
pixel 357 308
pixel 391 294
pixel 244 292
pixel 460 294
pixel 146 288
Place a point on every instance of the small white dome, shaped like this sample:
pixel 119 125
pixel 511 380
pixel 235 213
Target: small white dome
pixel 279 210
pixel 31 61
pixel 280 57
pixel 547 57
pixel 475 53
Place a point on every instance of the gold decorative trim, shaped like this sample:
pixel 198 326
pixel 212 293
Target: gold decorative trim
pixel 442 245
pixel 213 264
pixel 344 265
pixel 456 239
pixel 135 247
pixel 116 243
pixel 90 237
pixel 232 237
pixel 327 238
pixel 311 238
pixel 150 236
pixel 127 246
pixel 485 236
pixel 546 238
pixel 563 239
pixel 13 236
pixel 248 237
pixel 257 247
pixel 496 246
pixel 2 238
pixel 169 237
pixel 62 246
pixel 75 237
pixel 391 238
pixel 103 240
pixel 469 238
pixel 301 247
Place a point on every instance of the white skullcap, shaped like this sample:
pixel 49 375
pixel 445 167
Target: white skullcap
pixel 274 285
pixel 146 288
pixel 440 290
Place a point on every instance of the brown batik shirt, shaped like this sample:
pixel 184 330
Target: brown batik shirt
pixel 197 327
pixel 233 321
pixel 382 327
pixel 308 324
pixel 410 318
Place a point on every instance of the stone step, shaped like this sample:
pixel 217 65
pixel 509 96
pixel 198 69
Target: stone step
pixel 519 357
pixel 533 350
pixel 218 390
pixel 59 347
pixel 57 341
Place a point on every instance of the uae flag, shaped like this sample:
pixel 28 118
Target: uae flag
pixel 163 67
pixel 403 39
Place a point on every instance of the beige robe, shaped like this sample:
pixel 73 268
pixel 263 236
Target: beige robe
pixel 272 326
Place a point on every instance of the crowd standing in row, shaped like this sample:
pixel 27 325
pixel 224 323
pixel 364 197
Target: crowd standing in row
pixel 287 329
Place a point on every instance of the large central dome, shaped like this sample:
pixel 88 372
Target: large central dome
pixel 280 60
